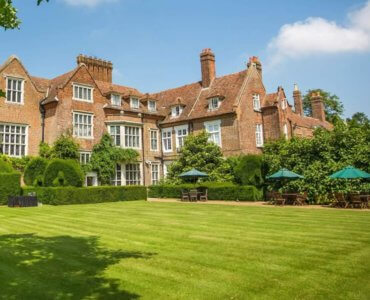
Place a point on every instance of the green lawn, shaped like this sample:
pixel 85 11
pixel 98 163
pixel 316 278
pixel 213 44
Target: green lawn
pixel 150 250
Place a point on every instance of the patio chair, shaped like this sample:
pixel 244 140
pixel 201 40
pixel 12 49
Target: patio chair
pixel 355 201
pixel 340 200
pixel 302 199
pixel 193 194
pixel 365 199
pixel 270 197
pixel 185 195
pixel 204 195
pixel 278 199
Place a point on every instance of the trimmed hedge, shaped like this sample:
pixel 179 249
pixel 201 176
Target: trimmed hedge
pixel 82 195
pixel 10 185
pixel 5 167
pixel 70 169
pixel 34 169
pixel 216 191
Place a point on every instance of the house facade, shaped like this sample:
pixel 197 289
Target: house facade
pixel 234 109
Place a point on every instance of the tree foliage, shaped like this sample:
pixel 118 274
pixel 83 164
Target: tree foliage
pixel 8 14
pixel 106 155
pixel 319 157
pixel 65 147
pixel 333 105
pixel 202 155
pixel 247 169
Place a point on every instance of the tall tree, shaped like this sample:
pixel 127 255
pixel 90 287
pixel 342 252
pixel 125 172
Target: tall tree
pixel 203 155
pixel 333 105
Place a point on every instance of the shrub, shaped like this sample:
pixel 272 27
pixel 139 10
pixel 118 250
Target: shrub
pixel 65 147
pixel 34 169
pixel 73 175
pixel 5 167
pixel 216 191
pixel 10 185
pixel 74 195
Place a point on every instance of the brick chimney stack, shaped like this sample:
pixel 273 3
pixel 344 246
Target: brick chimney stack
pixel 298 104
pixel 255 62
pixel 317 104
pixel 208 66
pixel 100 69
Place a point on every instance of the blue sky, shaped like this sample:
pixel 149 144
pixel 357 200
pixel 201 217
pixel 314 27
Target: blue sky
pixel 155 44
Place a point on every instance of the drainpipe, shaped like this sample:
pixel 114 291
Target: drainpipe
pixel 142 147
pixel 160 145
pixel 42 111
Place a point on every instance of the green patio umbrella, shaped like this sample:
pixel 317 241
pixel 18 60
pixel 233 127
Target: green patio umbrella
pixel 284 174
pixel 350 173
pixel 194 174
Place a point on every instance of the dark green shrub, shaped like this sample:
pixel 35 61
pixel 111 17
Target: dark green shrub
pixel 5 167
pixel 73 195
pixel 10 185
pixel 248 170
pixel 216 191
pixel 34 169
pixel 73 175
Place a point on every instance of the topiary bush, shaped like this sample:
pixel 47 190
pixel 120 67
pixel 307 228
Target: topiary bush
pixel 10 185
pixel 216 191
pixel 71 170
pixel 73 195
pixel 5 167
pixel 34 169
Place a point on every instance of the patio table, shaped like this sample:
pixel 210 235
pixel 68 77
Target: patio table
pixel 292 199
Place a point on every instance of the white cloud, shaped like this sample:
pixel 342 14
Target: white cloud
pixel 320 36
pixel 88 3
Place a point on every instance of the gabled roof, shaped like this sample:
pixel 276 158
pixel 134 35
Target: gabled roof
pixel 195 97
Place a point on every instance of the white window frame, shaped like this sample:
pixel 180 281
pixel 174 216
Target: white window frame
pixel 85 157
pixel 112 99
pixel 209 128
pixel 151 139
pixel 88 137
pixel 155 181
pixel 154 108
pixel 166 165
pixel 13 145
pixel 132 100
pixel 83 86
pixel 212 102
pixel 126 137
pixel 140 169
pixel 180 136
pixel 165 138
pixel 12 90
pixel 117 179
pixel 93 175
pixel 256 102
pixel 116 137
pixel 176 111
pixel 259 135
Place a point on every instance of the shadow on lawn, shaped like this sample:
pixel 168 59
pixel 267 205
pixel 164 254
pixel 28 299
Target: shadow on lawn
pixel 62 267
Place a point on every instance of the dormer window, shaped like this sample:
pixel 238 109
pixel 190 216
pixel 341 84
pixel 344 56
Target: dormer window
pixel 213 103
pixel 176 111
pixel 152 105
pixel 115 99
pixel 256 102
pixel 134 102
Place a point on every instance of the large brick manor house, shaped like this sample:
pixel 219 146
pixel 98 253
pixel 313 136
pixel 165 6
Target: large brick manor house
pixel 235 109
